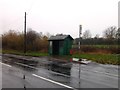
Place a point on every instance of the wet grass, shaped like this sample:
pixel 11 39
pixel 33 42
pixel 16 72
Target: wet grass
pixel 35 54
pixel 100 46
pixel 100 58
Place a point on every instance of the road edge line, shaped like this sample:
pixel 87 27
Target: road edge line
pixel 5 64
pixel 53 81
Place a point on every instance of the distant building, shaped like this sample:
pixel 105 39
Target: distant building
pixel 60 44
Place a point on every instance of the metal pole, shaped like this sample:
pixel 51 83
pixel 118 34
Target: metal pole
pixel 80 29
pixel 25 34
pixel 24 40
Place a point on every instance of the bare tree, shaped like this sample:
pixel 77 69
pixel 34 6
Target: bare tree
pixel 86 34
pixel 97 36
pixel 118 33
pixel 110 32
pixel 31 38
pixel 48 34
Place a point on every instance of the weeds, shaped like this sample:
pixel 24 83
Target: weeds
pixel 100 58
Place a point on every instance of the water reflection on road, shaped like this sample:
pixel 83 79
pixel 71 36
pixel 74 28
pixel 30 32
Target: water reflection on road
pixel 65 72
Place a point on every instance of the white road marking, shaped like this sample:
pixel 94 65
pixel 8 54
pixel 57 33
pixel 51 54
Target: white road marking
pixel 5 64
pixel 53 81
pixel 40 76
pixel 25 65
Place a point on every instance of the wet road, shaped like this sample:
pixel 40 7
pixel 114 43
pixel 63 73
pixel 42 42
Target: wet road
pixel 12 77
pixel 43 73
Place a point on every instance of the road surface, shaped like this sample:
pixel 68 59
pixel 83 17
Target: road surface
pixel 41 74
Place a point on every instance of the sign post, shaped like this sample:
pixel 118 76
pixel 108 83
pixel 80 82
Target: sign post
pixel 80 32
pixel 24 39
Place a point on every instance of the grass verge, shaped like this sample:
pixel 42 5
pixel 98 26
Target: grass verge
pixel 35 54
pixel 99 58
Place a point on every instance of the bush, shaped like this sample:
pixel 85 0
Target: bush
pixel 15 41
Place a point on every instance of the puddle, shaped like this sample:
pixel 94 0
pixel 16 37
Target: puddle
pixel 60 67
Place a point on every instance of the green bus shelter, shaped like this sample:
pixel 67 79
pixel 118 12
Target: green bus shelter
pixel 60 44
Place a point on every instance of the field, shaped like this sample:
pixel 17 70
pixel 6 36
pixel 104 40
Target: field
pixel 101 49
pixel 105 54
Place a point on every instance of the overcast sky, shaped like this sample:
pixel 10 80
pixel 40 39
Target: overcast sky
pixel 59 16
